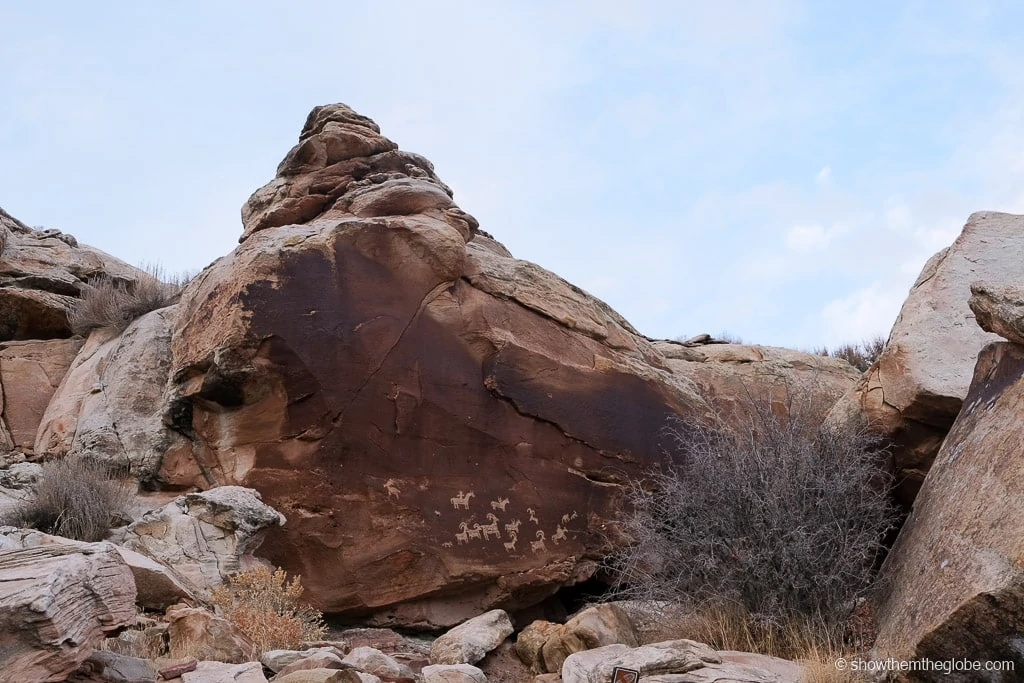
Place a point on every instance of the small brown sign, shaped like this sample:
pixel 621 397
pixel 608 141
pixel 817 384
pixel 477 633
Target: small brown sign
pixel 620 675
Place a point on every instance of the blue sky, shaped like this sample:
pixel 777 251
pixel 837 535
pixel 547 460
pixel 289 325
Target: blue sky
pixel 777 170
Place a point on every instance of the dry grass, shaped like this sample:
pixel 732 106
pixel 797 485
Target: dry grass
pixel 144 643
pixel 75 498
pixel 113 305
pixel 815 645
pixel 265 606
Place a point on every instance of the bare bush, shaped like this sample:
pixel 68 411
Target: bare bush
pixel 111 304
pixel 75 498
pixel 861 356
pixel 265 606
pixel 779 518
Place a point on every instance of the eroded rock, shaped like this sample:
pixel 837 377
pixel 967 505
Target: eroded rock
pixel 30 372
pixel 470 641
pixel 914 391
pixel 954 581
pixel 56 604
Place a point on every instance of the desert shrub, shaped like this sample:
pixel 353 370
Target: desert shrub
pixel 265 606
pixel 75 498
pixel 111 304
pixel 778 519
pixel 860 356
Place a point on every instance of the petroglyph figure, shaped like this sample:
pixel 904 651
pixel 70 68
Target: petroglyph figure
pixel 491 528
pixel 447 544
pixel 392 489
pixel 462 500
pixel 510 546
pixel 475 532
pixel 559 534
pixel 572 516
pixel 463 536
pixel 565 518
pixel 499 504
pixel 533 515
pixel 538 545
pixel 512 528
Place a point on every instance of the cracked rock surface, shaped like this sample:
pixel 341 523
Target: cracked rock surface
pixel 914 391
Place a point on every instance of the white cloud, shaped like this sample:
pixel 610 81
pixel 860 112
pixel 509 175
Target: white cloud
pixel 862 314
pixel 824 176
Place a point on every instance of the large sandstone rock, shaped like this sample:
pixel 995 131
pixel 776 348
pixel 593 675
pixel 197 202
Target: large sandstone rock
pixel 110 404
pixel 56 604
pixel 205 536
pixel 675 661
pixel 221 672
pixel 453 673
pixel 914 391
pixel 954 581
pixel 592 628
pixel 373 661
pixel 999 309
pixel 200 634
pixel 377 372
pixel 470 641
pixel 157 586
pixel 42 274
pixel 30 372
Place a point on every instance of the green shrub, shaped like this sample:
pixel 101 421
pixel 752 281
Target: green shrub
pixel 75 498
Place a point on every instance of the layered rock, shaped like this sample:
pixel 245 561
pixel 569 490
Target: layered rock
pixel 915 389
pixel 56 604
pixel 954 581
pixel 205 536
pixel 42 274
pixel 378 372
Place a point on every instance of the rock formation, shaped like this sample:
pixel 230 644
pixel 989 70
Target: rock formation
pixel 56 604
pixel 378 367
pixel 954 581
pixel 915 389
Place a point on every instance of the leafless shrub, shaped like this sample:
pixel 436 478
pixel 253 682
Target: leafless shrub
pixel 860 356
pixel 263 605
pixel 75 498
pixel 776 518
pixel 111 304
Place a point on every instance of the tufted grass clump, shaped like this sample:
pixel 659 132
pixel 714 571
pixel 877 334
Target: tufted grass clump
pixel 112 304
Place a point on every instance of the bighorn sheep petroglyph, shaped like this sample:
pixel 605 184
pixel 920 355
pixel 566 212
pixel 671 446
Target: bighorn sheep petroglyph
pixel 491 528
pixel 538 545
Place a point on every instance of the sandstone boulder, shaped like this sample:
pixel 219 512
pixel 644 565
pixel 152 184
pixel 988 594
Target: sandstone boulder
pixel 42 275
pixel 205 536
pixel 453 673
pixel 197 633
pixel 30 372
pixel 592 628
pixel 221 672
pixel 470 641
pixel 999 309
pixel 676 661
pixel 56 604
pixel 277 660
pixel 373 661
pixel 110 405
pixel 954 581
pixel 316 660
pixel 372 366
pixel 110 667
pixel 321 676
pixel 915 389
pixel 157 586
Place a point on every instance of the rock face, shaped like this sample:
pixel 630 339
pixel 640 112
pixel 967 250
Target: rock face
pixel 955 577
pixel 195 632
pixel 56 604
pixel 914 391
pixel 205 536
pixel 42 273
pixel 30 372
pixel 110 404
pixel 999 309
pixel 374 366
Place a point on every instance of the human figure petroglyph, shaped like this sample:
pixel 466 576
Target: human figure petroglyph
pixel 462 500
